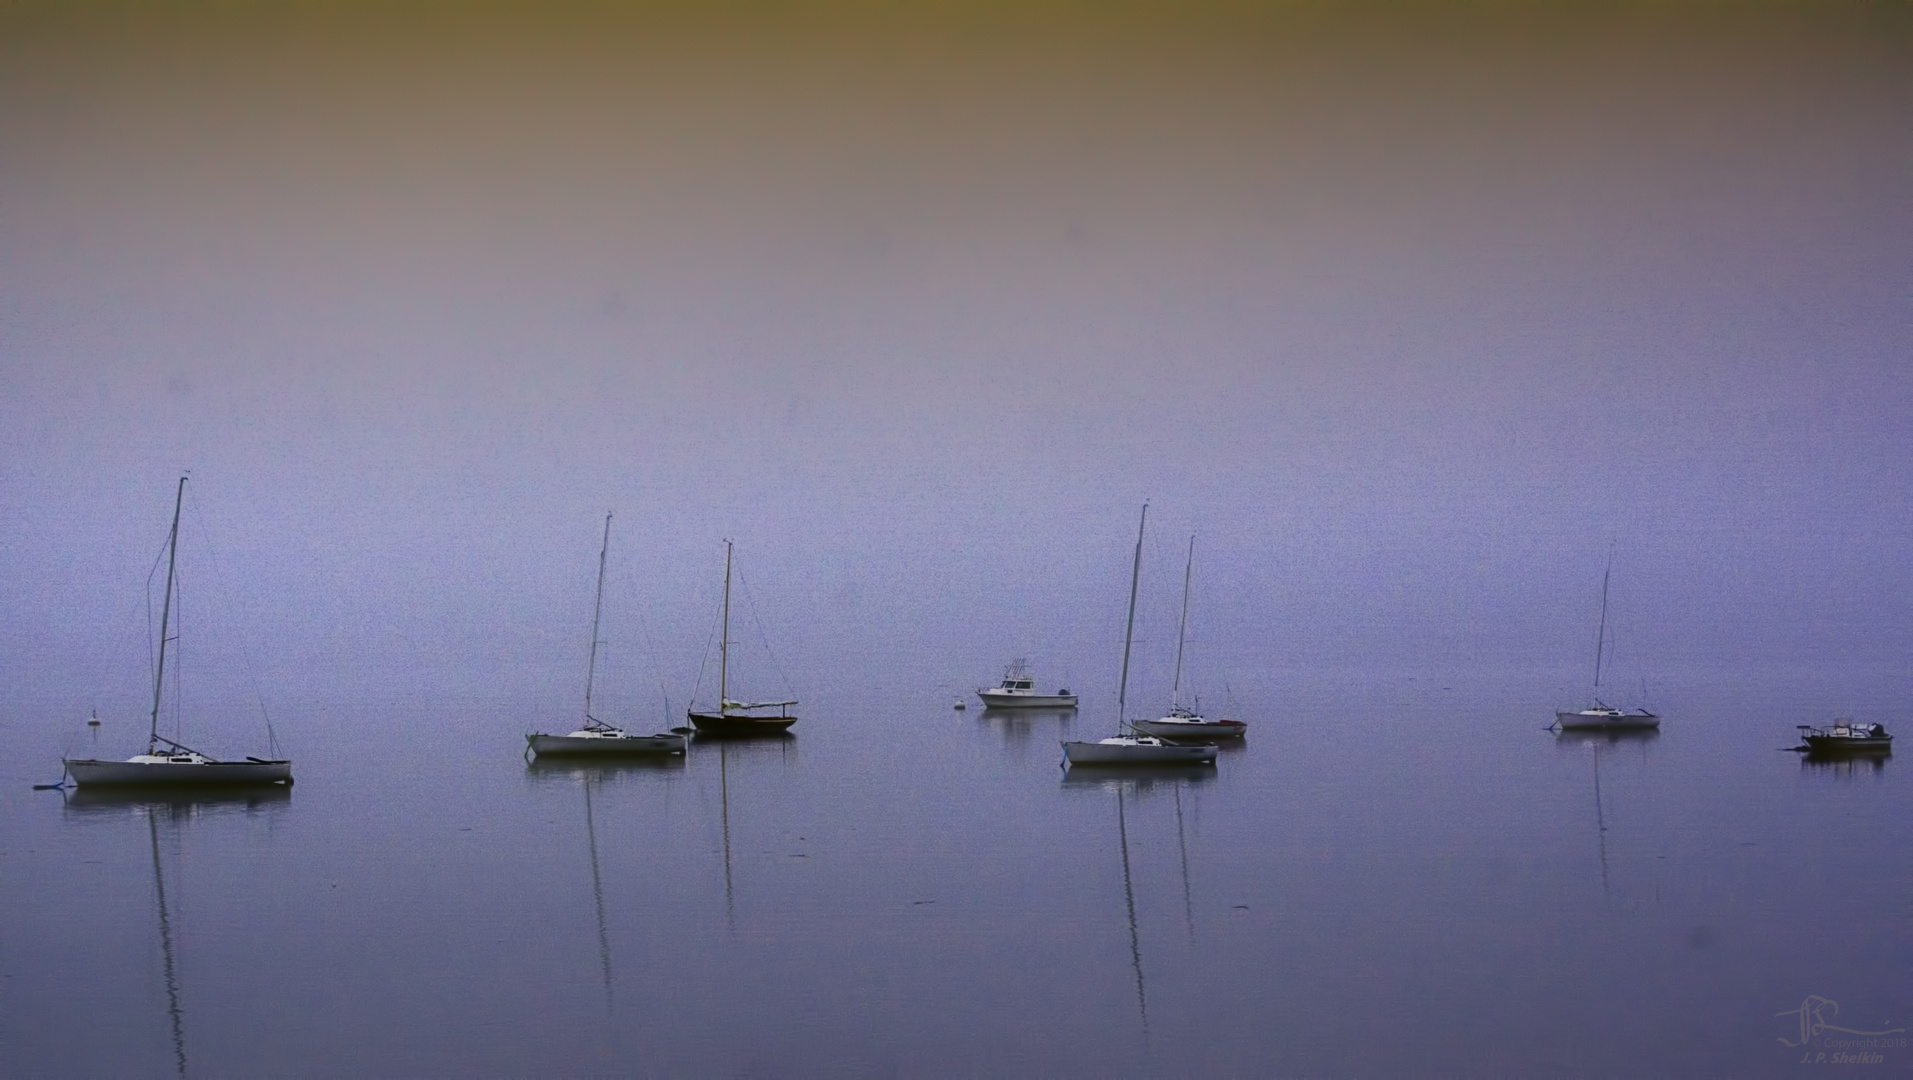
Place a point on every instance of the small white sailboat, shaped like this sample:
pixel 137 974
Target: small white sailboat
pixel 1136 749
pixel 1600 716
pixel 597 737
pixel 735 718
pixel 1182 723
pixel 166 761
pixel 1018 691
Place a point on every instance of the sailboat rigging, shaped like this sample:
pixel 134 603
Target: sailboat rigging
pixel 1184 723
pixel 737 717
pixel 1601 716
pixel 597 737
pixel 1138 748
pixel 167 761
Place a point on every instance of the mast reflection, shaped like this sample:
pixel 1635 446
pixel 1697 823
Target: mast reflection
pixel 173 1009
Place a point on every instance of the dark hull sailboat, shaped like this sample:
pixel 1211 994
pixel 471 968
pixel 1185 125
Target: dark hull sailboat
pixel 1601 716
pixel 733 723
pixel 735 719
pixel 167 763
pixel 177 770
pixel 597 738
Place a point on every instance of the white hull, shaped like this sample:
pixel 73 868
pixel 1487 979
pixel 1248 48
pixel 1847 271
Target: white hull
pixel 182 773
pixel 1130 751
pixel 1023 699
pixel 1172 727
pixel 605 744
pixel 1606 720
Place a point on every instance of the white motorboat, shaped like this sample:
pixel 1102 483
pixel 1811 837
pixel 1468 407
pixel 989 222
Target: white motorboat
pixel 1600 716
pixel 1184 723
pixel 1134 749
pixel 165 761
pixel 737 718
pixel 596 737
pixel 1018 691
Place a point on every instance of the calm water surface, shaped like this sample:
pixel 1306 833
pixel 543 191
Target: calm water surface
pixel 1397 874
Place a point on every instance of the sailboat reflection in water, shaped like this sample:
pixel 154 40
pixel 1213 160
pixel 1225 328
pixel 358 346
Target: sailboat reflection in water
pixel 1129 785
pixel 178 805
pixel 1597 742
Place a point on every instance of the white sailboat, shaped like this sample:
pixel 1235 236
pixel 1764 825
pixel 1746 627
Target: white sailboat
pixel 737 717
pixel 597 737
pixel 1182 723
pixel 1136 749
pixel 166 761
pixel 1601 716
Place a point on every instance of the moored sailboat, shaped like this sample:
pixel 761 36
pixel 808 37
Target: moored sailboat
pixel 597 737
pixel 167 761
pixel 1134 749
pixel 1601 716
pixel 1183 723
pixel 737 717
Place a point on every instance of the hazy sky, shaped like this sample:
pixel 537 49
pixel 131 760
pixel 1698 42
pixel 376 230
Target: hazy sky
pixel 1409 310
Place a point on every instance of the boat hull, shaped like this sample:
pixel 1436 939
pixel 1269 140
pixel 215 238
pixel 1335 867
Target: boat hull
pixel 1198 729
pixel 1829 745
pixel 88 772
pixel 1006 699
pixel 733 724
pixel 1098 753
pixel 599 746
pixel 1845 737
pixel 1600 720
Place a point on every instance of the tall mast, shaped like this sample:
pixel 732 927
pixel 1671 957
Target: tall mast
pixel 1600 637
pixel 724 642
pixel 597 607
pixel 1129 632
pixel 1175 691
pixel 165 615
